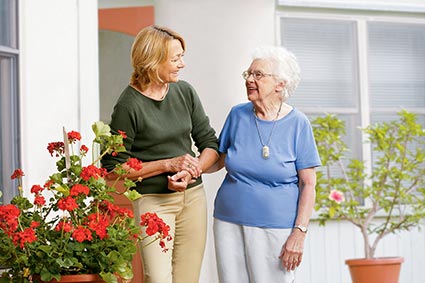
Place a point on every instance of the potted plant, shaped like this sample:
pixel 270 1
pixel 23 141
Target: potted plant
pixel 386 198
pixel 69 225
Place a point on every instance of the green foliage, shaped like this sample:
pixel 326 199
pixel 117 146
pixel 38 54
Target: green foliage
pixel 383 199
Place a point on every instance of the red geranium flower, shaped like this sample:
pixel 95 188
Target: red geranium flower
pixel 67 203
pixel 65 226
pixel 83 150
pixel 81 234
pixel 134 163
pixel 58 147
pixel 18 173
pixel 35 224
pixel 123 134
pixel 26 236
pixel 73 136
pixel 36 189
pixel 39 200
pixel 98 225
pixel 79 189
pixel 91 171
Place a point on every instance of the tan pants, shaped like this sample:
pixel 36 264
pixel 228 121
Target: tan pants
pixel 186 214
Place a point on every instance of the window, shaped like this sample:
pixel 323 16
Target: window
pixel 363 69
pixel 9 128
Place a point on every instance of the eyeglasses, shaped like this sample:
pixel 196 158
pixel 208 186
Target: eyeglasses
pixel 257 75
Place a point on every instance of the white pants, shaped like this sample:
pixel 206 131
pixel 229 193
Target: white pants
pixel 250 254
pixel 186 214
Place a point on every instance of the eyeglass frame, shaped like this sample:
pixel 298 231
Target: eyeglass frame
pixel 255 74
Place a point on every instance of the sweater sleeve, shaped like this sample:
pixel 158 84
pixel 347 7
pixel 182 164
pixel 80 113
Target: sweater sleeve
pixel 203 134
pixel 123 120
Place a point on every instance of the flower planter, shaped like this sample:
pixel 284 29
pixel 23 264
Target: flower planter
pixel 80 278
pixel 376 270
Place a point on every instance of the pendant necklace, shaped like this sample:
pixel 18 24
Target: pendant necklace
pixel 265 151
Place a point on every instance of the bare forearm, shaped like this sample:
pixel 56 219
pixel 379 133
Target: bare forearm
pixel 307 198
pixel 306 205
pixel 149 169
pixel 208 158
pixel 218 165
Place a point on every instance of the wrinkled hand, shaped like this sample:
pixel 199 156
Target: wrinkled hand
pixel 186 162
pixel 179 181
pixel 292 251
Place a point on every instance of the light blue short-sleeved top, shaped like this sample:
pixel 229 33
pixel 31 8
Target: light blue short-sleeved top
pixel 263 192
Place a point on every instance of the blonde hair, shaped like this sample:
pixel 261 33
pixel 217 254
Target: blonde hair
pixel 285 64
pixel 148 52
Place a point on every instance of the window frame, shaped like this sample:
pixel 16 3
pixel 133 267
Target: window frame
pixel 9 109
pixel 361 20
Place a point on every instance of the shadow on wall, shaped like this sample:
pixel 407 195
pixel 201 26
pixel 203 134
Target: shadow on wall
pixel 114 69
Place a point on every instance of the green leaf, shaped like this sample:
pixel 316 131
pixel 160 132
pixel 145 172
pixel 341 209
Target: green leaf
pixel 108 277
pixel 101 129
pixel 62 190
pixel 129 183
pixel 132 195
pixel 332 212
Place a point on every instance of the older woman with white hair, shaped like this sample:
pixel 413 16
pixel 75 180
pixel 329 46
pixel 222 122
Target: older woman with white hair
pixel 264 204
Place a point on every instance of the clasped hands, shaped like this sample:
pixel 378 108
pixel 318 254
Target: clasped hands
pixel 187 168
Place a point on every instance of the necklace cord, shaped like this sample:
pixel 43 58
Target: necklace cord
pixel 271 132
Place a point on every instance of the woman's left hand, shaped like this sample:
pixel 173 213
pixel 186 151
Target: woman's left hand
pixel 292 251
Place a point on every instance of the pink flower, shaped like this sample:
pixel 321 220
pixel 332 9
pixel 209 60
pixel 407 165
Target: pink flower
pixel 336 196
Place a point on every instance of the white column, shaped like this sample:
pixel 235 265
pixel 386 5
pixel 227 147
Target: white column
pixel 58 78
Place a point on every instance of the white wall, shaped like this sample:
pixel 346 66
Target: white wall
pixel 58 78
pixel 220 37
pixel 59 87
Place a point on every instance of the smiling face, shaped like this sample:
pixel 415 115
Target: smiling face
pixel 265 88
pixel 169 70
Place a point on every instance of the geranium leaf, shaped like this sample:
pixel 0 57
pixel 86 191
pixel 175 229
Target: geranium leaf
pixel 129 183
pixel 62 190
pixel 101 129
pixel 109 277
pixel 132 195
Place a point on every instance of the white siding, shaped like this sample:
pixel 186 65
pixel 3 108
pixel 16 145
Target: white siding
pixel 328 247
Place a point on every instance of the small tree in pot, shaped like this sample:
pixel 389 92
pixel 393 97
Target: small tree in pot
pixel 388 199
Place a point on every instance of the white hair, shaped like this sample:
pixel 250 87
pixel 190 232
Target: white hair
pixel 285 64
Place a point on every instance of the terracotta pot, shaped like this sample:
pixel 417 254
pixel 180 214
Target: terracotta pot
pixel 80 278
pixel 376 270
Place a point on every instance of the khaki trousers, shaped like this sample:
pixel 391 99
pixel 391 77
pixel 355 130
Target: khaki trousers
pixel 186 214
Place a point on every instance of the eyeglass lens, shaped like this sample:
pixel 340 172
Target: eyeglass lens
pixel 255 74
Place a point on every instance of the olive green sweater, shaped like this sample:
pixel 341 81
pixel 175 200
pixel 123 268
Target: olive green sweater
pixel 160 130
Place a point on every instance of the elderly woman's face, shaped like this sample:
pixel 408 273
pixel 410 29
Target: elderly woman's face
pixel 260 88
pixel 169 70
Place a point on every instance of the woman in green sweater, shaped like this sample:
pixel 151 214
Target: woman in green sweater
pixel 162 116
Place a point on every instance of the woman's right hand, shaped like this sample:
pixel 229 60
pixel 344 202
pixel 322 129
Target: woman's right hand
pixel 179 181
pixel 185 162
